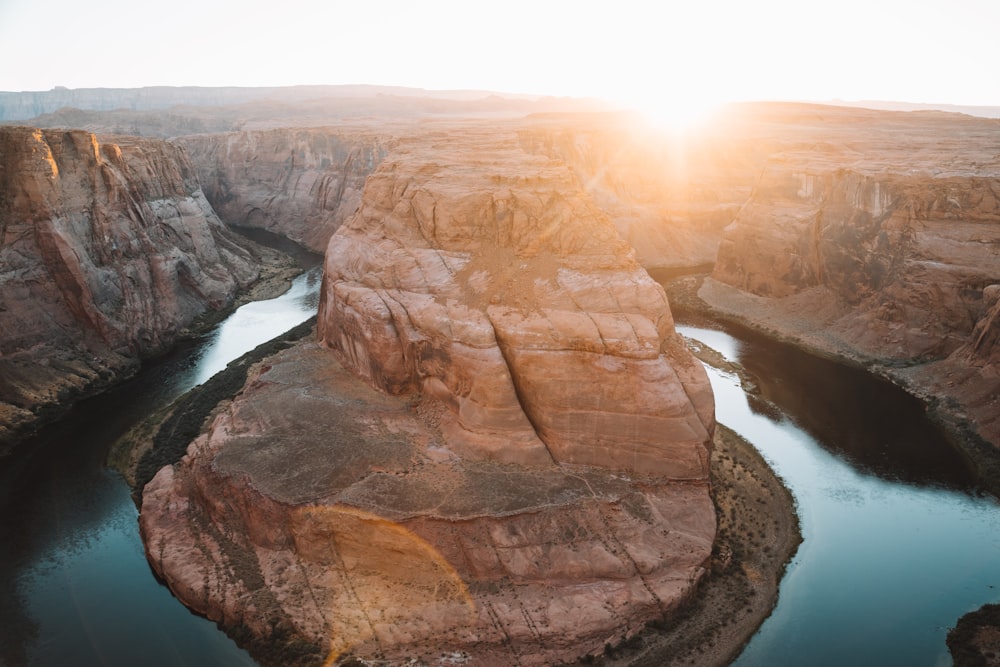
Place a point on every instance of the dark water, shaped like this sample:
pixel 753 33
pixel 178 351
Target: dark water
pixel 75 588
pixel 897 543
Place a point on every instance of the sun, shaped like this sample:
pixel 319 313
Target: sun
pixel 675 113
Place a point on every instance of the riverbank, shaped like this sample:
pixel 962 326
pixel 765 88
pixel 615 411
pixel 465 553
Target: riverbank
pixel 162 438
pixel 758 534
pixel 687 296
pixel 975 633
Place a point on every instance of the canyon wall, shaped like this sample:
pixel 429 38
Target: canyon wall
pixel 668 197
pixel 882 245
pixel 497 449
pixel 300 183
pixel 669 194
pixel 108 250
pixel 485 275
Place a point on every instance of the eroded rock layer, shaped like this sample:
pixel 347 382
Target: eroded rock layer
pixel 320 513
pixel 300 183
pixel 881 243
pixel 504 459
pixel 107 251
pixel 485 276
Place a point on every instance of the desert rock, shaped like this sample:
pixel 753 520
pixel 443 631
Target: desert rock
pixel 300 183
pixel 107 251
pixel 483 275
pixel 878 243
pixel 497 450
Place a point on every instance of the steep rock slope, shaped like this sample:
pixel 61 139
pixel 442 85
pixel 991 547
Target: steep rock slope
pixel 107 251
pixel 881 243
pixel 300 183
pixel 484 275
pixel 503 459
pixel 669 194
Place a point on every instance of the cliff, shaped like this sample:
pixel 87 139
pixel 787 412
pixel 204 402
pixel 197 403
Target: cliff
pixel 107 252
pixel 669 195
pixel 881 244
pixel 498 450
pixel 300 183
pixel 486 276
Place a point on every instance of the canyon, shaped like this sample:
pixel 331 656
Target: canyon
pixel 884 250
pixel 534 480
pixel 109 251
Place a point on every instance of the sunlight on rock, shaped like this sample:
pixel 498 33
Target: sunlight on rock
pixel 393 584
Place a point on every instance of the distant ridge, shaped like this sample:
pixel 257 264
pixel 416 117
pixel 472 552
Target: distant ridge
pixel 885 105
pixel 28 104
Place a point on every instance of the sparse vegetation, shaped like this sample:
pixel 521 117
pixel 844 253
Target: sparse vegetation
pixel 758 532
pixel 166 439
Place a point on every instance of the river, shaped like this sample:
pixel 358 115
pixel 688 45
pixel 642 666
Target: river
pixel 75 587
pixel 897 543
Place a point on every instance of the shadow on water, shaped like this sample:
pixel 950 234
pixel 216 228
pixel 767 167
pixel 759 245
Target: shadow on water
pixel 866 420
pixel 75 587
pixel 897 542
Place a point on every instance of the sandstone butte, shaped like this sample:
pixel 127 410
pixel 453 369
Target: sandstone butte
pixel 107 251
pixel 497 449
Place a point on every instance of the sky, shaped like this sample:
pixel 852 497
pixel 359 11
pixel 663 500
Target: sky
pixel 637 52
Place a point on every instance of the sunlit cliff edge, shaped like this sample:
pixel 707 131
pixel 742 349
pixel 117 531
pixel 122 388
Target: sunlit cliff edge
pixel 108 250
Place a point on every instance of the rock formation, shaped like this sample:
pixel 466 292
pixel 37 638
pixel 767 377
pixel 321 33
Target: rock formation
pixel 300 183
pixel 107 251
pixel 879 243
pixel 670 196
pixel 497 452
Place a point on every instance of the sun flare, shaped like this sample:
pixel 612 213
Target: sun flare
pixel 676 114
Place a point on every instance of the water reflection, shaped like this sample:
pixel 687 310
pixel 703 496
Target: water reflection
pixel 257 323
pixel 891 558
pixel 75 587
pixel 864 419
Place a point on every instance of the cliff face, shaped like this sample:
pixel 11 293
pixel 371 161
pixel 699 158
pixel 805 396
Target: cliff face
pixel 909 255
pixel 881 243
pixel 300 183
pixel 107 251
pixel 503 458
pixel 485 276
pixel 669 196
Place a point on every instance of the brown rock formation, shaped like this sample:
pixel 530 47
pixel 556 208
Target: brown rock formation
pixel 107 251
pixel 319 509
pixel 669 195
pixel 484 276
pixel 879 243
pixel 300 183
pixel 532 483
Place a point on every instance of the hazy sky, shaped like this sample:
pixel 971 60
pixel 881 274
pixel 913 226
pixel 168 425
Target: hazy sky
pixel 632 50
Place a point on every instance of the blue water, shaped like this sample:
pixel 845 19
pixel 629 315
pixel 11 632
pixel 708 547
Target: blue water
pixel 75 587
pixel 897 543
